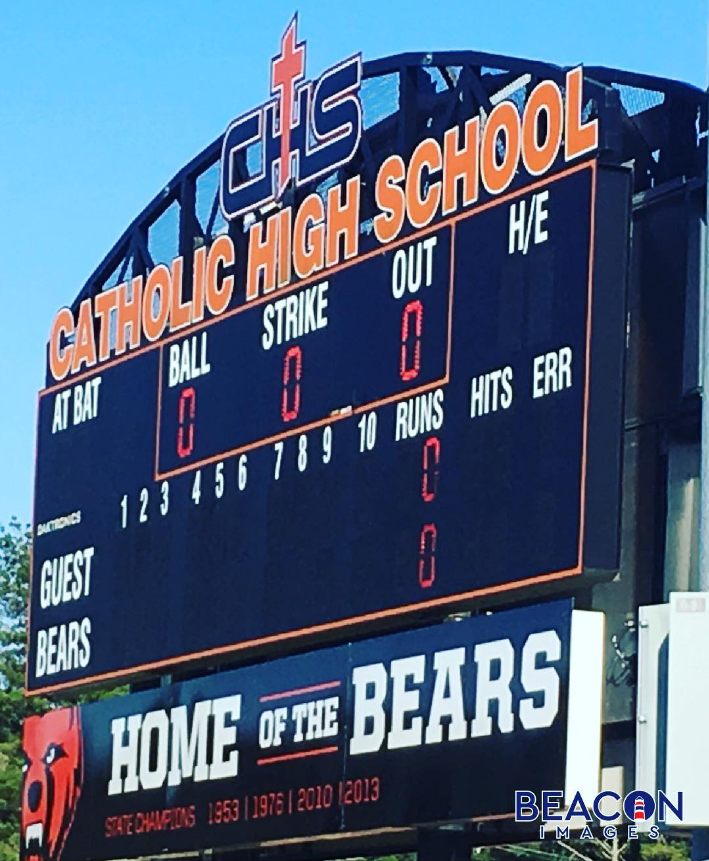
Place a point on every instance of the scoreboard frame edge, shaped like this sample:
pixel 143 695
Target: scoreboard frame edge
pixel 367 623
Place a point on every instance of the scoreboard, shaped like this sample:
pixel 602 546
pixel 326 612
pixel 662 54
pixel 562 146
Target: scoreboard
pixel 433 422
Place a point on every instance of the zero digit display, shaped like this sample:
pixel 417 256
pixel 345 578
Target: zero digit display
pixel 352 340
pixel 410 430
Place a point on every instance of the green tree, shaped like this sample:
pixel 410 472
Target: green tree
pixel 15 544
pixel 15 548
pixel 665 848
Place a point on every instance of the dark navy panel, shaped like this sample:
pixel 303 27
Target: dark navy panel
pixel 317 782
pixel 387 491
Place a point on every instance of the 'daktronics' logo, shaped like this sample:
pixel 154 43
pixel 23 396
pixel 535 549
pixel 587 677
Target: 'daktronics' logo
pixel 307 129
pixel 636 808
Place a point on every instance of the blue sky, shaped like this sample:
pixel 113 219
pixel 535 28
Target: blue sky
pixel 102 103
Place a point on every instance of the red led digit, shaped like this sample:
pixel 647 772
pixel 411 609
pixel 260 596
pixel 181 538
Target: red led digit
pixel 292 369
pixel 427 555
pixel 411 358
pixel 185 421
pixel 431 459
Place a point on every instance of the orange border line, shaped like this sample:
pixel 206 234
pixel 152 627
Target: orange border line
pixel 159 411
pixel 354 621
pixel 300 755
pixel 197 464
pixel 296 691
pixel 327 420
pixel 451 299
pixel 297 633
pixel 32 545
pixel 587 384
pixel 323 275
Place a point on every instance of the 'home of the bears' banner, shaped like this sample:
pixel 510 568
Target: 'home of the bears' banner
pixel 389 732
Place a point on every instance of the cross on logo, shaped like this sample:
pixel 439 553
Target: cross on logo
pixel 287 68
pixel 307 129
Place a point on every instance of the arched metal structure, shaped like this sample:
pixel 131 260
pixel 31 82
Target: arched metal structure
pixel 659 125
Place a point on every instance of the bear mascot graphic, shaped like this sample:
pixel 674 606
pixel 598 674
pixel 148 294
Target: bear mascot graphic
pixel 51 782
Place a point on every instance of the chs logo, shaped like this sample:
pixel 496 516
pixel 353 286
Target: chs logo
pixel 306 130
